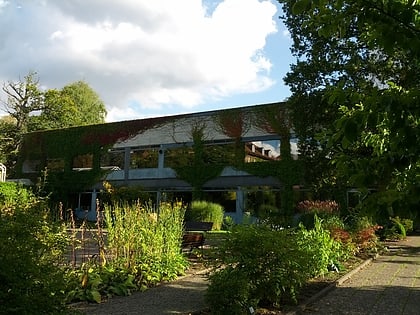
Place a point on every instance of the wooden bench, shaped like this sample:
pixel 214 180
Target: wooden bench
pixel 194 234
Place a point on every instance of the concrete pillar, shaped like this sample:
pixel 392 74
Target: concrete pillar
pixel 161 158
pixel 127 153
pixel 240 204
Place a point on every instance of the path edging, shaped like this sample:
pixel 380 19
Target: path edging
pixel 332 286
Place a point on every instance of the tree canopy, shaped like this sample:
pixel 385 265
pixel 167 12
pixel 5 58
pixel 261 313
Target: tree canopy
pixel 30 109
pixel 356 83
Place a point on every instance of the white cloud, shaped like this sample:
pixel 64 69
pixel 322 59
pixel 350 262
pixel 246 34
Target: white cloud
pixel 154 54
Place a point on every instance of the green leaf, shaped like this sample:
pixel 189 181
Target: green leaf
pixel 96 296
pixel 301 6
pixel 350 131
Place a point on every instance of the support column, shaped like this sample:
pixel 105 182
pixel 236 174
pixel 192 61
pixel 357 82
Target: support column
pixel 240 204
pixel 127 152
pixel 161 158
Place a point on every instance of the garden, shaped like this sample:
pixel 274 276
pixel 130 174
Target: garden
pixel 49 260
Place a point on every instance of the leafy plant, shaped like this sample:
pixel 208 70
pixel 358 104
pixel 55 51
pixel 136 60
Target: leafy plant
pixel 396 229
pixel 263 267
pixel 324 250
pixel 91 282
pixel 207 212
pixel 31 279
pixel 145 242
pixel 364 234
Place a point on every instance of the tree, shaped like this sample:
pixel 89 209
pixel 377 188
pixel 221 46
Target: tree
pixel 90 108
pixel 75 105
pixel 358 62
pixel 8 144
pixel 23 98
pixel 32 109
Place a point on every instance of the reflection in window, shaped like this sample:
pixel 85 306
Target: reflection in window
pixel 179 157
pixel 219 154
pixel 147 158
pixel 260 151
pixel 31 166
pixel 113 160
pixel 83 162
pixel 55 165
pixel 263 202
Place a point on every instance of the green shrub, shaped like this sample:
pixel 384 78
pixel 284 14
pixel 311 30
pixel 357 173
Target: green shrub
pixel 262 265
pixel 325 252
pixel 31 281
pixel 230 292
pixel 206 212
pixel 228 223
pixel 11 192
pixel 396 229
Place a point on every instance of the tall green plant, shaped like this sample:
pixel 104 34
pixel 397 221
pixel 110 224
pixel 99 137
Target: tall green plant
pixel 145 242
pixel 325 252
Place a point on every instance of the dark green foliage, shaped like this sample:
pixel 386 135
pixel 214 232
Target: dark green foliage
pixel 31 281
pixel 261 266
pixel 229 292
pixel 356 94
pixel 92 283
pixel 396 229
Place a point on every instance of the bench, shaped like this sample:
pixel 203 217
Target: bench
pixel 194 234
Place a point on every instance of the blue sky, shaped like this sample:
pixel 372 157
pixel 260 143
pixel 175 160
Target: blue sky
pixel 150 58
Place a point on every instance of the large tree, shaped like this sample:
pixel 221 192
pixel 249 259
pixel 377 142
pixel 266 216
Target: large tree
pixel 24 97
pixel 77 104
pixel 356 74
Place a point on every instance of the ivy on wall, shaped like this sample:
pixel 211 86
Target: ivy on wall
pixel 69 143
pixel 203 165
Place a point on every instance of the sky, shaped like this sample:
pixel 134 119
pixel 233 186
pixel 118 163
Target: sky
pixel 150 58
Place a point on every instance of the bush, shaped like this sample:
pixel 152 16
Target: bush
pixel 364 235
pixel 207 212
pixel 324 250
pixel 31 282
pixel 229 292
pixel 258 266
pixel 261 266
pixel 13 193
pixel 397 229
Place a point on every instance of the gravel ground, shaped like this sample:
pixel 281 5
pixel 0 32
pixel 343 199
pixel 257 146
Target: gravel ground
pixel 183 296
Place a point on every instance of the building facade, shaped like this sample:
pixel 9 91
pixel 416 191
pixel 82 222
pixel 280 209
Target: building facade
pixel 227 156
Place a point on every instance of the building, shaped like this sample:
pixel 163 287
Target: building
pixel 213 153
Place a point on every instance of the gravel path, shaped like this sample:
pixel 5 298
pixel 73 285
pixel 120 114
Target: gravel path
pixel 388 285
pixel 183 296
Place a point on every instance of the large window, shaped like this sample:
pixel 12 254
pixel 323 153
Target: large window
pixel 260 151
pixel 179 157
pixel 220 154
pixel 263 202
pixel 83 162
pixel 113 159
pixel 55 165
pixel 144 158
pixel 31 166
